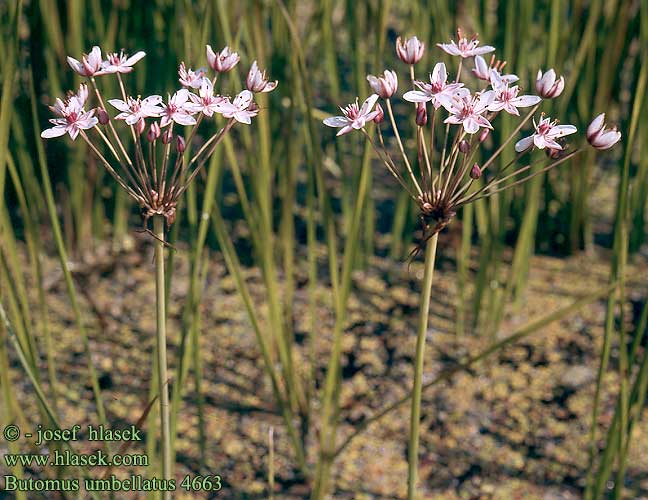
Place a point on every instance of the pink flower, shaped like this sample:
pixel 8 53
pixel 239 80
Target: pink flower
pixel 354 117
pixel 546 133
pixel 436 90
pixel 134 110
pixel 178 109
pixel 121 63
pixel 547 86
pixel 599 137
pixel 223 61
pixel 411 51
pixel 242 109
pixel 507 99
pixel 468 110
pixel 464 47
pixel 190 78
pixel 484 71
pixel 257 82
pixel 72 118
pixel 385 86
pixel 90 65
pixel 206 103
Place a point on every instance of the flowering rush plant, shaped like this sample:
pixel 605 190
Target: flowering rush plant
pixel 156 171
pixel 445 174
pixel 162 161
pixel 448 176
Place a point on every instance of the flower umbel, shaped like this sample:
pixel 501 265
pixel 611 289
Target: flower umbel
pixel 155 180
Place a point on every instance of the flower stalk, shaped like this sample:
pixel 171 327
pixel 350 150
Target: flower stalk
pixel 160 306
pixel 415 415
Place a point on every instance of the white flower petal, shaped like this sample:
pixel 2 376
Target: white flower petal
pixel 336 121
pixel 56 131
pixel 524 144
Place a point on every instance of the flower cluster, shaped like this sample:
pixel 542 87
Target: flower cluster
pixel 154 180
pixel 447 168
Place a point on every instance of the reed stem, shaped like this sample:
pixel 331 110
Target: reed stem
pixel 424 312
pixel 165 435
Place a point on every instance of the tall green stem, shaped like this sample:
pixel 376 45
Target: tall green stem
pixel 158 228
pixel 424 312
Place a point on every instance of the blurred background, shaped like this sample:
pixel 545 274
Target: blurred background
pixel 260 236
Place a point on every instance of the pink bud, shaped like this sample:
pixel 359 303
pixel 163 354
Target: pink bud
pixel 102 116
pixel 599 136
pixel 464 145
pixel 257 81
pixel 475 172
pixel 167 137
pixel 180 144
pixel 547 86
pixel 483 135
pixel 411 51
pixel 222 62
pixel 421 114
pixel 385 86
pixel 153 132
pixel 140 126
pixel 380 115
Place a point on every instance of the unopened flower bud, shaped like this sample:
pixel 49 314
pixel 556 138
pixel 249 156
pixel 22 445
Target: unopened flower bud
pixel 411 51
pixel 483 135
pixel 554 153
pixel 475 172
pixel 167 137
pixel 600 137
pixel 180 144
pixel 222 62
pixel 102 116
pixel 257 81
pixel 140 126
pixel 464 145
pixel 421 114
pixel 547 86
pixel 153 132
pixel 380 115
pixel 385 86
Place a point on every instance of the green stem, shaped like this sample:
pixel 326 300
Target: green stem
pixel 424 313
pixel 158 228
